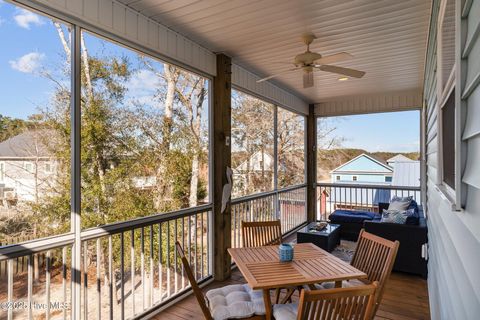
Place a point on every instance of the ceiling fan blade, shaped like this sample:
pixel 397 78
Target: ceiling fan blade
pixel 341 56
pixel 343 71
pixel 307 79
pixel 277 74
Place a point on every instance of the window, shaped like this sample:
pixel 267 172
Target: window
pixel 48 167
pixel 252 144
pixel 35 120
pixel 446 98
pixel 291 148
pixel 28 166
pixel 338 178
pixel 448 141
pixel 144 148
pixel 354 178
pixel 388 179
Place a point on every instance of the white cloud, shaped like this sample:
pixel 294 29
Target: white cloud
pixel 25 19
pixel 144 80
pixel 28 63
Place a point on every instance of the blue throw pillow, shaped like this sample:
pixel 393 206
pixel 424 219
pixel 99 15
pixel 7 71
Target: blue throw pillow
pixel 413 214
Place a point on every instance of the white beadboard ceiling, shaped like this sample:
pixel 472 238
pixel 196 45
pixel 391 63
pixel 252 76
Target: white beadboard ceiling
pixel 387 38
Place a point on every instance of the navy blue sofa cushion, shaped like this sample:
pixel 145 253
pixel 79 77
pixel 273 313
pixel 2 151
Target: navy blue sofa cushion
pixel 352 216
pixel 414 218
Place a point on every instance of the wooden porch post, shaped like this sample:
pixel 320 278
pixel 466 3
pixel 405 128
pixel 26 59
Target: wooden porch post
pixel 311 163
pixel 222 93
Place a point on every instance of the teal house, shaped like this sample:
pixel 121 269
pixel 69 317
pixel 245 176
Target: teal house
pixel 363 169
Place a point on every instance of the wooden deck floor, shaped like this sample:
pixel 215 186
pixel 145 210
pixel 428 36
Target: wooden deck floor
pixel 405 298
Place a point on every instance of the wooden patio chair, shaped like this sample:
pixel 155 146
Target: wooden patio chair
pixel 245 302
pixel 375 256
pixel 265 233
pixel 355 303
pixel 261 233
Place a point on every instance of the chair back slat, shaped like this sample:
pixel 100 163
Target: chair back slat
pixel 261 233
pixel 355 303
pixel 375 256
pixel 193 282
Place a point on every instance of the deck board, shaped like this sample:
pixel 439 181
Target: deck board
pixel 405 298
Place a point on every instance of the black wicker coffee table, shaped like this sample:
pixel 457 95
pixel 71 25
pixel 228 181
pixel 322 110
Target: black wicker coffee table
pixel 327 238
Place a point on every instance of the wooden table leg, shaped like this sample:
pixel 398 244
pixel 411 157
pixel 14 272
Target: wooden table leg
pixel 268 304
pixel 338 284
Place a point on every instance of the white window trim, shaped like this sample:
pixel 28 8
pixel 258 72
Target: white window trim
pixel 2 171
pixel 452 195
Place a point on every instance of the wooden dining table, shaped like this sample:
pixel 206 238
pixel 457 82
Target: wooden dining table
pixel 262 269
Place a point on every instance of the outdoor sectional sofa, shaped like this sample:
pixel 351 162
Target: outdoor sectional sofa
pixel 412 235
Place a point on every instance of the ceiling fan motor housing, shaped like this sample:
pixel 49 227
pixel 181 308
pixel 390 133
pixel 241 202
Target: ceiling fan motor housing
pixel 306 58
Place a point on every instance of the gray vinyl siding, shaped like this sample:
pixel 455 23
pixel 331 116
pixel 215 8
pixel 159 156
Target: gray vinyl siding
pixel 454 236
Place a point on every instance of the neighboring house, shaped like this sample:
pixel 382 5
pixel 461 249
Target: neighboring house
pixel 363 169
pixel 255 171
pixel 26 167
pixel 398 158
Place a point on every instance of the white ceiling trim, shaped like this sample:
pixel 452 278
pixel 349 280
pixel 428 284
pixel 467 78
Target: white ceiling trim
pixel 246 80
pixel 371 103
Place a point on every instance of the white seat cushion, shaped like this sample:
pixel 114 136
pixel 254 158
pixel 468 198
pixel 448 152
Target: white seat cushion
pixel 345 284
pixel 235 301
pixel 286 311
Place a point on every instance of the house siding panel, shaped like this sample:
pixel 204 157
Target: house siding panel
pixel 454 236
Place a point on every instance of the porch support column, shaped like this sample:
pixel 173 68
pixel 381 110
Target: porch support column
pixel 311 163
pixel 222 114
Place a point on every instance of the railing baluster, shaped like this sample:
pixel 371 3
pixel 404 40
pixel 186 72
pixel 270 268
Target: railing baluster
pixel 99 284
pixel 85 280
pixel 203 220
pixel 122 274
pixel 168 259
pixel 175 267
pixel 132 268
pixel 195 241
pixel 151 265
pixel 183 246
pixel 30 288
pixel 142 264
pixel 10 289
pixel 110 276
pixel 47 284
pixel 160 257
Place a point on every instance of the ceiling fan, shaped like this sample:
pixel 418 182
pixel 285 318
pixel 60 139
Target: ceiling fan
pixel 313 61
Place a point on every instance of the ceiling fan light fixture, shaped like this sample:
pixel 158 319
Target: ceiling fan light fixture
pixel 343 79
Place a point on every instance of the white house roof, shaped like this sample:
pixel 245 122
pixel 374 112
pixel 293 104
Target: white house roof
pixel 369 165
pixel 399 157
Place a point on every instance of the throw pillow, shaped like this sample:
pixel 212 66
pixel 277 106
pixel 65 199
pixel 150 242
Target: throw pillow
pixel 399 203
pixel 394 216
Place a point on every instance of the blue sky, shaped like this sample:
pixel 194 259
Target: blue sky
pixel 393 131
